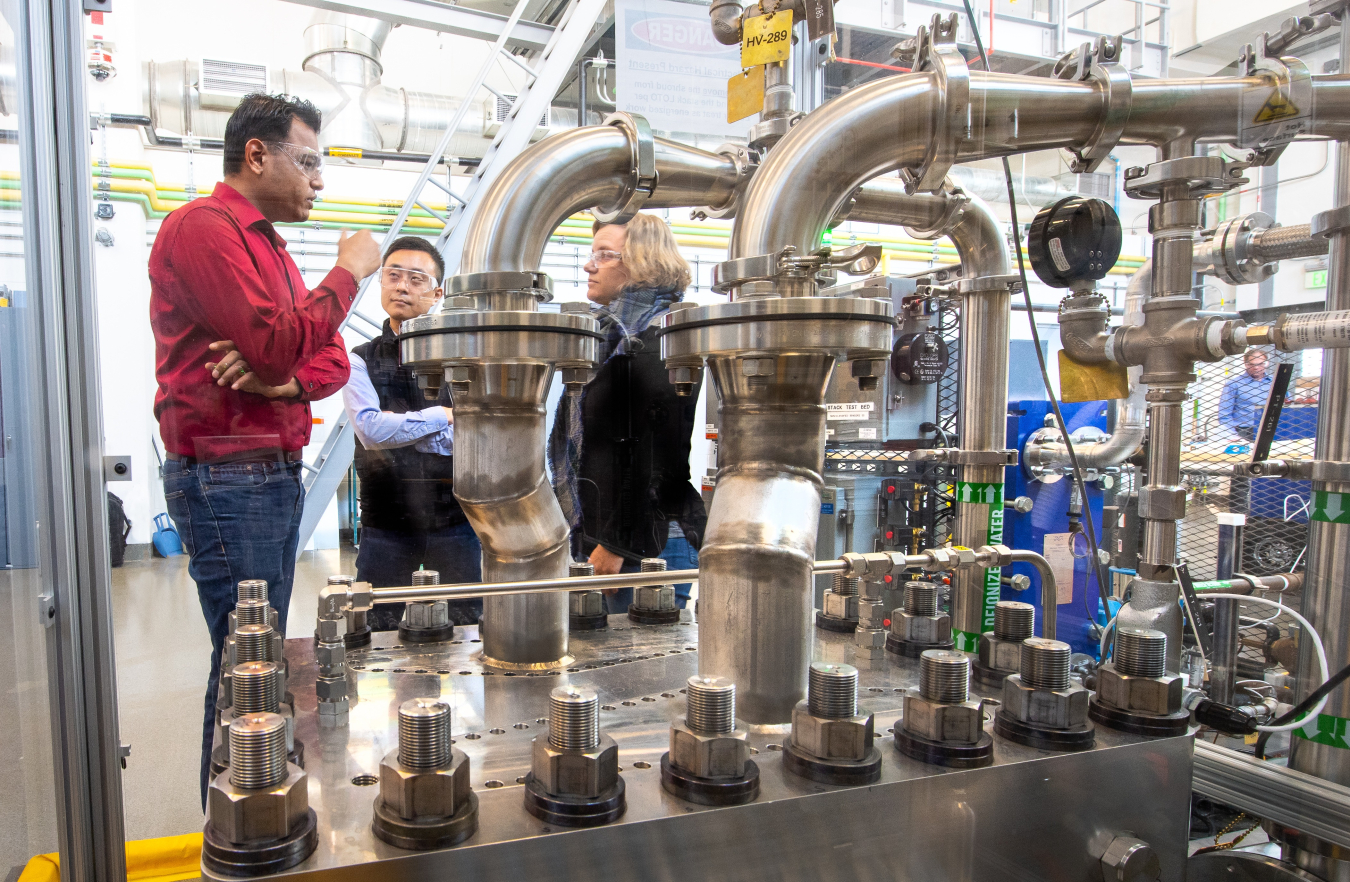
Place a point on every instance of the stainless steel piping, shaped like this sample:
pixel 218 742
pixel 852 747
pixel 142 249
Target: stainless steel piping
pixel 498 354
pixel 578 169
pixel 1325 600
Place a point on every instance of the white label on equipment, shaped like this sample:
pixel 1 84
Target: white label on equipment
pixel 867 433
pixel 829 433
pixel 853 410
pixel 1059 554
pixel 1057 255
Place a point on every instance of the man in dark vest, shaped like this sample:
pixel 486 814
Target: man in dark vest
pixel 409 516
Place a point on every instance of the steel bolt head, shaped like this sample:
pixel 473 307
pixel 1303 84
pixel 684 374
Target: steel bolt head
pixel 1000 655
pixel 841 606
pixel 429 614
pixel 849 738
pixel 1130 860
pixel 587 773
pixel 424 794
pixel 586 603
pixel 245 816
pixel 949 723
pixel 1058 709
pixel 654 597
pixel 921 629
pixel 1150 695
pixel 709 756
pixel 577 376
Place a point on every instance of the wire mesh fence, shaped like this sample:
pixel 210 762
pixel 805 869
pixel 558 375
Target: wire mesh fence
pixel 1225 407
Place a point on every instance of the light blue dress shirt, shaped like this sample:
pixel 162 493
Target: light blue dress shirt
pixel 428 431
pixel 1243 400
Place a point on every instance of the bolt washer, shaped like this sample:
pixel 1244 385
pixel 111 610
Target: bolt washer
pixel 1082 737
pixel 938 753
pixel 598 622
pixel 574 811
pixel 653 616
pixel 834 623
pixel 896 646
pixel 426 635
pixel 844 772
pixel 423 835
pixel 358 638
pixel 710 791
pixel 1135 723
pixel 224 858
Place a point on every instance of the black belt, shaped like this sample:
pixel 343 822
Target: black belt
pixel 243 456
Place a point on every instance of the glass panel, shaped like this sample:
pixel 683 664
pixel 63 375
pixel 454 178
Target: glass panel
pixel 28 820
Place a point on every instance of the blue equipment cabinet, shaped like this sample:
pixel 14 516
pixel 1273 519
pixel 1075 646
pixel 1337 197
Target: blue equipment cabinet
pixel 1049 515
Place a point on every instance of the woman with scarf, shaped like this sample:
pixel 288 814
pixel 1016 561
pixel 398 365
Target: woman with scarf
pixel 619 450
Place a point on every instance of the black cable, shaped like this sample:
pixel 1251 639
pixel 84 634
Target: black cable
pixel 1302 707
pixel 1097 568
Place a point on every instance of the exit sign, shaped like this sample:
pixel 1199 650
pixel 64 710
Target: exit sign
pixel 1315 279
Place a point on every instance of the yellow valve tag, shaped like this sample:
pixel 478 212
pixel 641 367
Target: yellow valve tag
pixel 350 152
pixel 1091 382
pixel 745 93
pixel 766 38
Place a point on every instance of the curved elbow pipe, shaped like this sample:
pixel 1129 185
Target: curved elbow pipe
pixel 576 170
pixel 726 21
pixel 977 233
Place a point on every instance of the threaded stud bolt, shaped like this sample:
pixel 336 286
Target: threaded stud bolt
pixel 832 690
pixel 256 688
pixel 1045 663
pixel 573 719
pixel 253 643
pixel 582 568
pixel 257 751
pixel 253 589
pixel 944 675
pixel 424 733
pixel 1141 652
pixel 653 565
pixel 846 586
pixel 921 599
pixel 250 612
pixel 426 577
pixel 1014 620
pixel 712 705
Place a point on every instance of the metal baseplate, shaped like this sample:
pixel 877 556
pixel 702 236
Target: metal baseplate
pixel 919 822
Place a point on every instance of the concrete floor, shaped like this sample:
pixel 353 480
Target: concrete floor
pixel 163 656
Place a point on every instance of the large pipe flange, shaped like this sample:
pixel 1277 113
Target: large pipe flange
pixel 850 327
pixel 472 338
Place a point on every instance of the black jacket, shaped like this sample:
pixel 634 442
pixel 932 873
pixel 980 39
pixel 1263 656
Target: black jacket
pixel 402 488
pixel 634 475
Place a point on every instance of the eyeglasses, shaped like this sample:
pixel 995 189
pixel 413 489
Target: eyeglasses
pixel 600 258
pixel 307 159
pixel 418 283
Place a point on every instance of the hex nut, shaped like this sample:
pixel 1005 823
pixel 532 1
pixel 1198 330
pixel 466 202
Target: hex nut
pixel 1159 696
pixel 329 630
pixel 998 654
pixel 430 614
pixel 1052 709
pixel 872 613
pixel 1128 859
pixel 330 655
pixel 333 714
pixel 586 603
pixel 868 638
pixel 921 629
pixel 424 794
pixel 849 738
pixel 937 721
pixel 709 756
pixel 587 773
pixel 245 816
pixel 331 689
pixel 654 597
pixel 841 606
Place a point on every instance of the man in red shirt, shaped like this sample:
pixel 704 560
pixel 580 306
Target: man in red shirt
pixel 241 348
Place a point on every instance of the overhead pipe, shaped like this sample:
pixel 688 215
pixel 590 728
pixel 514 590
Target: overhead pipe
pixel 498 353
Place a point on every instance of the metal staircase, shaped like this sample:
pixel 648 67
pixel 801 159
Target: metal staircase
pixel 543 80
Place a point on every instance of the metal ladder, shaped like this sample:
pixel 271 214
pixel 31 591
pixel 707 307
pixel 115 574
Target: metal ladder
pixel 543 80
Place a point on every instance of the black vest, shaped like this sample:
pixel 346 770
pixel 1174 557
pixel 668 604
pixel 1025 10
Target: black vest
pixel 402 488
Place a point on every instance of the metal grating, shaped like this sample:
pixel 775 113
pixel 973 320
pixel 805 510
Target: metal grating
pixel 1276 530
pixel 232 77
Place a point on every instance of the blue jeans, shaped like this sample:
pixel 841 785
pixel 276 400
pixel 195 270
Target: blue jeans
pixel 388 557
pixel 680 555
pixel 238 520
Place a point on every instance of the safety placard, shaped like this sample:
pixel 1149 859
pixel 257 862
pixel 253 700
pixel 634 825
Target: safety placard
pixel 1331 508
pixel 849 410
pixel 1059 554
pixel 745 94
pixel 766 39
pixel 1326 729
pixel 991 494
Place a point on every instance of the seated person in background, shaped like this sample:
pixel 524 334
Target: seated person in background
pixel 409 515
pixel 619 451
pixel 1244 397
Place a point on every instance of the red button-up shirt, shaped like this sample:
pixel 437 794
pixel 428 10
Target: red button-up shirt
pixel 219 271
